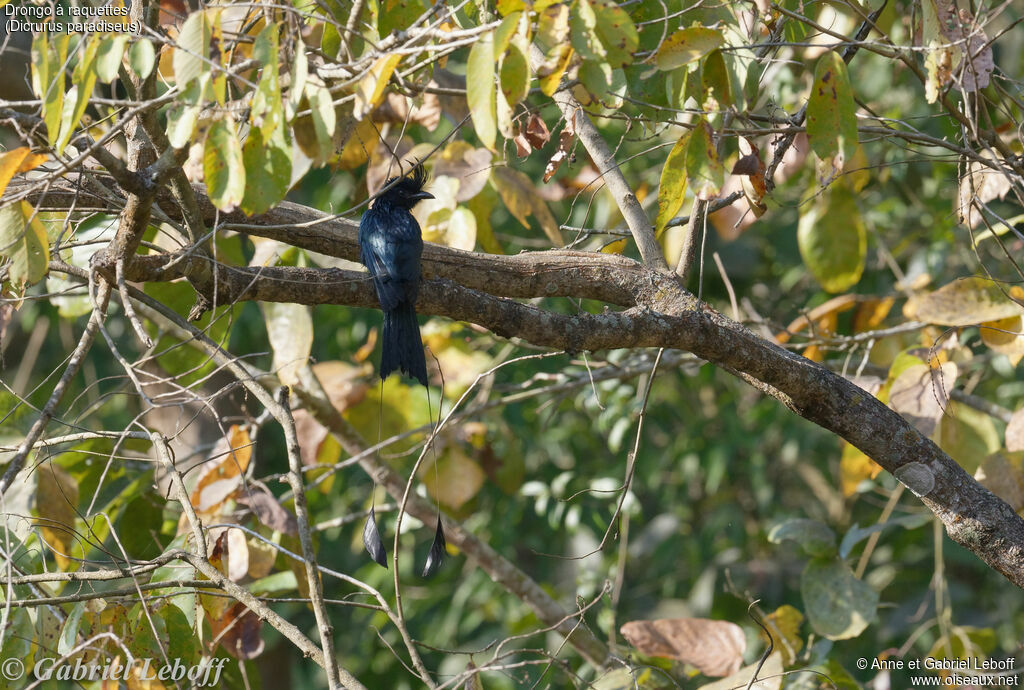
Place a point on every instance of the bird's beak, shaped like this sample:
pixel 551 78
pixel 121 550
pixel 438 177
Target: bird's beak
pixel 422 195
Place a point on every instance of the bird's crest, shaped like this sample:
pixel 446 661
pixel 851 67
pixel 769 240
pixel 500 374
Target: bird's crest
pixel 412 182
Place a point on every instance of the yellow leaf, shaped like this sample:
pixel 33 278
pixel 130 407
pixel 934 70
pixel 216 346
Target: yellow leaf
pixel 455 481
pixel 370 89
pixel 673 183
pixel 871 313
pixel 1004 336
pixel 855 467
pixel 784 625
pixel 16 161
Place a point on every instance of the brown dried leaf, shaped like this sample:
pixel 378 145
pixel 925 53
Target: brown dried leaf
pixel 470 166
pixel 522 145
pixel 565 142
pixel 269 511
pixel 920 393
pixel 1015 432
pixel 238 632
pixel 980 184
pixel 426 110
pixel 714 647
pixel 221 475
pixel 537 132
pixel 1004 477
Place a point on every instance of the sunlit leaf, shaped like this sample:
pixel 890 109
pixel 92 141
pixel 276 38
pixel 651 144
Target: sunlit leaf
pixel 855 467
pixel 831 112
pixel 717 85
pixel 686 45
pixel 480 91
pixel 49 56
pixel 453 479
pixel 268 170
pixel 784 625
pixel 83 79
pixel 515 75
pixel 142 57
pixel 223 166
pixel 108 58
pixel 967 435
pixel 704 170
pixel 672 189
pixel 16 161
pixel 23 240
pixel 964 302
pixel 192 48
pixel 370 89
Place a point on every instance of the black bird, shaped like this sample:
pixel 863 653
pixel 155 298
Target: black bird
pixel 390 245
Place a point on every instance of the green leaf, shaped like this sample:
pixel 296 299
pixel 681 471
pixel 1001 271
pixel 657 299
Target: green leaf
pixel 838 605
pixel 83 79
pixel 69 633
pixel 323 117
pixel 268 171
pixel 192 50
pixel 815 538
pixel 507 7
pixel 48 60
pixel 398 15
pixel 108 58
pixel 181 120
pixel 672 188
pixel 300 72
pixel 142 57
pixel 596 78
pixel 508 28
pixel 833 240
pixel 616 32
pixel 831 112
pixel 704 170
pixel 715 82
pixel 515 75
pixel 145 514
pixel 967 435
pixel 687 45
pixel 223 166
pixel 267 109
pixel 857 534
pixel 583 33
pixel 480 91
pixel 24 242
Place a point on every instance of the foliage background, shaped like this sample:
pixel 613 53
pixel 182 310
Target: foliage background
pixel 537 473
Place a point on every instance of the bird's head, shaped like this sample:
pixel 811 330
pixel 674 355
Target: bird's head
pixel 408 190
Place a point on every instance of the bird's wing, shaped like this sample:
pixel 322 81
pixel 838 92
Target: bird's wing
pixel 377 254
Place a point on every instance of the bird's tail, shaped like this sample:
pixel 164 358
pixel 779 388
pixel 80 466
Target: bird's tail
pixel 402 347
